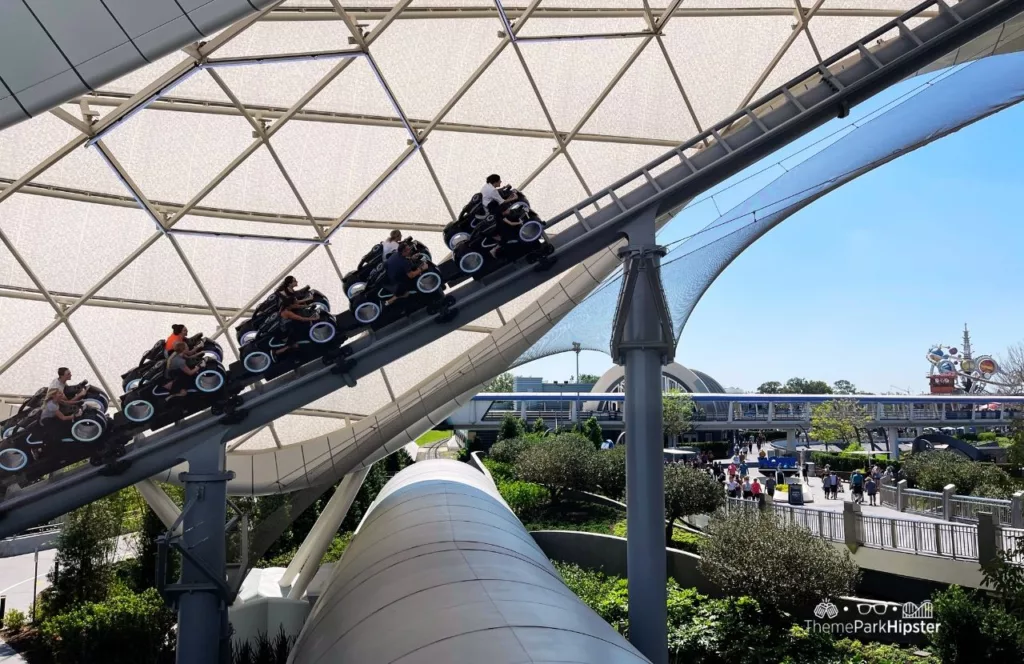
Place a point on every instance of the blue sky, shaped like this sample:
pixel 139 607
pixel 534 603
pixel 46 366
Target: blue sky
pixel 859 284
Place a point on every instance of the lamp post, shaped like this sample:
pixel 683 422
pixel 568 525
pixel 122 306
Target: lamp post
pixel 576 348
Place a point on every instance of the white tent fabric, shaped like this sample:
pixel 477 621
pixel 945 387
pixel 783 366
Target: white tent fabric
pixel 183 191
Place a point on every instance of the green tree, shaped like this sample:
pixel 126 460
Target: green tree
pixel 501 383
pixel 932 471
pixel 610 472
pixel 588 378
pixel 804 386
pixel 801 571
pixel 539 426
pixel 676 413
pixel 508 450
pixel 771 387
pixel 568 462
pixel 591 430
pixel 1015 452
pixel 511 427
pixel 85 551
pixel 839 420
pixel 689 491
pixel 975 630
pixel 844 387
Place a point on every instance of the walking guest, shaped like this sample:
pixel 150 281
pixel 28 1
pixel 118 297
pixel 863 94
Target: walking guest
pixel 872 488
pixel 857 486
pixel 769 486
pixel 746 488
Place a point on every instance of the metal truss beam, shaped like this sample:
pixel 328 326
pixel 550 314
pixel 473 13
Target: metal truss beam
pixel 103 198
pixel 210 107
pixel 591 13
pixel 65 299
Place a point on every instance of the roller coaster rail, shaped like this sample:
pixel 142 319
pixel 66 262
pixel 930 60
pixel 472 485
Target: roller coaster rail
pixel 800 105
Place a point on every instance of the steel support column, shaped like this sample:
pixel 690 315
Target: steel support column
pixel 202 594
pixel 642 340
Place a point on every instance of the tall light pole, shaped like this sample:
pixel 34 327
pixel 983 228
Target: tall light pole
pixel 576 348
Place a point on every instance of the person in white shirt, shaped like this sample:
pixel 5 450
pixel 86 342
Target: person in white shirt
pixel 390 245
pixel 60 383
pixel 490 193
pixel 491 197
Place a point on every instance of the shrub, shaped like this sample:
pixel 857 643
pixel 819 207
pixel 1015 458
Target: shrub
pixel 263 650
pixel 14 620
pixel 973 631
pixel 610 472
pixel 565 463
pixel 801 570
pixel 986 436
pixel 511 427
pixel 932 471
pixel 539 427
pixel 719 449
pixel 125 629
pixel 508 450
pixel 524 498
pixel 684 540
pixel 689 491
pixel 877 653
pixel 591 430
pixel 500 472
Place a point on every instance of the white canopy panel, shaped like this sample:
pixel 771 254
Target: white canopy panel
pixel 185 190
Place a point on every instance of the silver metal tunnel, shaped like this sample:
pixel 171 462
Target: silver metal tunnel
pixel 441 570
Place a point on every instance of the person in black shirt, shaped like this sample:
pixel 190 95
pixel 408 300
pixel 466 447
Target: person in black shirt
pixel 401 271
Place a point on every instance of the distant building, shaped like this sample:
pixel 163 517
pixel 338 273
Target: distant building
pixel 535 384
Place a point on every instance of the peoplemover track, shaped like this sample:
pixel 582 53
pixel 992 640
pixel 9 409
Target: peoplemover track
pixel 792 110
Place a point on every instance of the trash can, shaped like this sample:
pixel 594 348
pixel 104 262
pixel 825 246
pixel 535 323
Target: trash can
pixel 810 469
pixel 796 494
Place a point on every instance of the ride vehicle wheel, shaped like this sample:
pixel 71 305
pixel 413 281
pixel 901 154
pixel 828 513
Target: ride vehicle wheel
pixel 89 427
pixel 13 460
pixel 366 312
pixel 139 410
pixel 355 289
pixel 257 361
pixel 210 379
pixel 471 262
pixel 322 331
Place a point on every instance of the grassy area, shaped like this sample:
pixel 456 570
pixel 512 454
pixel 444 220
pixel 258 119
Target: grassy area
pixel 431 437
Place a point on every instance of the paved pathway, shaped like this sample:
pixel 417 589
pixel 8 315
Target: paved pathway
pixel 16 575
pixel 8 656
pixel 814 488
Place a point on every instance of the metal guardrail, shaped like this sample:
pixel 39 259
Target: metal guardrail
pixel 965 509
pixel 926 503
pixel 957 541
pixel 961 509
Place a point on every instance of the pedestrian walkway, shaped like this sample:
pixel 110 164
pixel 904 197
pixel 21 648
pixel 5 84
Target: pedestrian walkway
pixel 8 655
pixel 813 487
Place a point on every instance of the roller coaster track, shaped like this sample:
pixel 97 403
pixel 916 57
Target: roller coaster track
pixel 788 112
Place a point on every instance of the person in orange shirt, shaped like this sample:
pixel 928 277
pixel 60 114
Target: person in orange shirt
pixel 179 333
